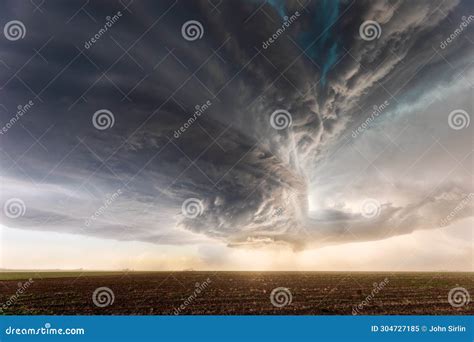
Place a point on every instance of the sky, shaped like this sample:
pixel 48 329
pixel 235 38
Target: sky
pixel 240 135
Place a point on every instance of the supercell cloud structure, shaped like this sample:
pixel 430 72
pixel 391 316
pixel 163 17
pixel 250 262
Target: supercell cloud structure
pixel 338 170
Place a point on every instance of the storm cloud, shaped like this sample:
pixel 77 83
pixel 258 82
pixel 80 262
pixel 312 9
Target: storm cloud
pixel 260 137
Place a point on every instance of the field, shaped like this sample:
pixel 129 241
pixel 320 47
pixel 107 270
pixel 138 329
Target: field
pixel 232 293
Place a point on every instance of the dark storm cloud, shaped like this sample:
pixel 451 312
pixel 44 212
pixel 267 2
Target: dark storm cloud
pixel 253 181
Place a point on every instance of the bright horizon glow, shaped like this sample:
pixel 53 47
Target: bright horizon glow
pixel 426 250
